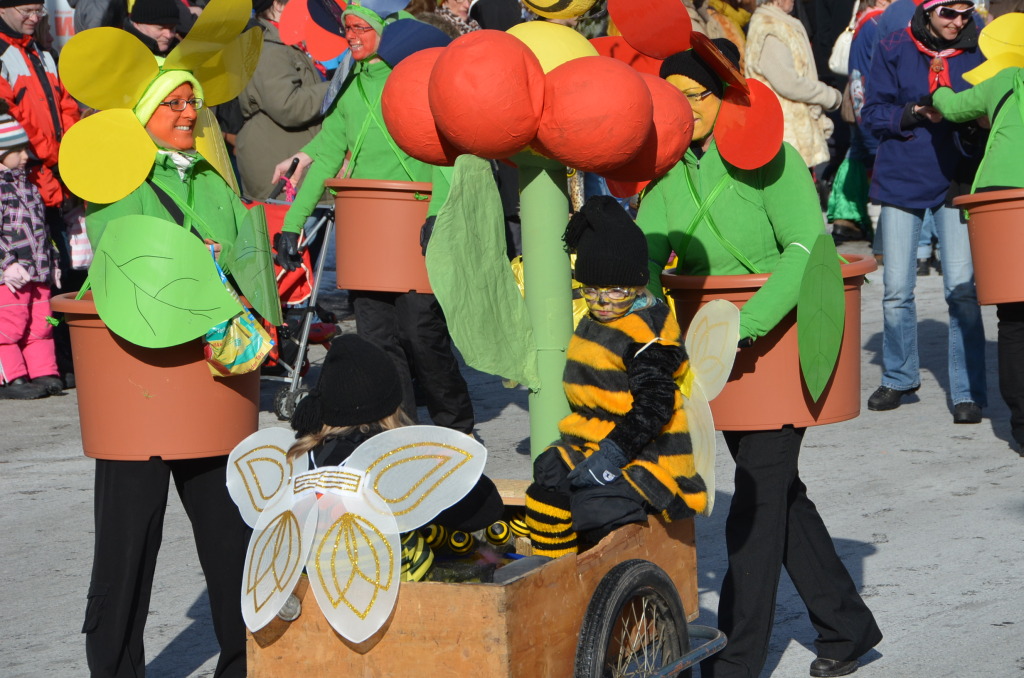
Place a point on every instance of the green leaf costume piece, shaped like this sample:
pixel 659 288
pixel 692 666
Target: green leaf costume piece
pixel 155 284
pixel 820 315
pixel 473 282
pixel 251 264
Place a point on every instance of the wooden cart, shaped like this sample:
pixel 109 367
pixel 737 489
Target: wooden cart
pixel 627 601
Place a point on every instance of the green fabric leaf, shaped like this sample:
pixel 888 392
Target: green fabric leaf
pixel 473 282
pixel 252 266
pixel 155 284
pixel 820 315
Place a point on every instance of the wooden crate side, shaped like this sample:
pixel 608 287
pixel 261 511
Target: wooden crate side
pixel 459 629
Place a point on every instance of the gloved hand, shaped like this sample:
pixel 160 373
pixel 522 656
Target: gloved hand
pixel 286 250
pixel 426 230
pixel 15 276
pixel 600 468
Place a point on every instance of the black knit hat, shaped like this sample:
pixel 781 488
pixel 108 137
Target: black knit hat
pixel 358 385
pixel 611 250
pixel 156 12
pixel 260 6
pixel 690 65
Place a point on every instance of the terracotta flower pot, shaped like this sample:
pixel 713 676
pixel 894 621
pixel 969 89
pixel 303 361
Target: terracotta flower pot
pixel 996 229
pixel 766 388
pixel 378 234
pixel 135 403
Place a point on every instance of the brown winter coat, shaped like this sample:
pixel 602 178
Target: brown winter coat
pixel 281 108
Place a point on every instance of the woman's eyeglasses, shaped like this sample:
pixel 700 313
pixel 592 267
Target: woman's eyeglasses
pixel 696 97
pixel 610 293
pixel 950 13
pixel 180 104
pixel 358 30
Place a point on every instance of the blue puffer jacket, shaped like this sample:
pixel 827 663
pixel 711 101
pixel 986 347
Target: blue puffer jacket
pixel 915 161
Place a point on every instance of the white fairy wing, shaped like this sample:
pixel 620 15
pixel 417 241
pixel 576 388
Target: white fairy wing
pixel 711 344
pixel 354 566
pixel 280 541
pixel 418 471
pixel 259 467
pixel 702 437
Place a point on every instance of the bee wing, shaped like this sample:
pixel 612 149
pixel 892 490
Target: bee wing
pixel 282 537
pixel 711 344
pixel 258 468
pixel 355 564
pixel 418 471
pixel 702 437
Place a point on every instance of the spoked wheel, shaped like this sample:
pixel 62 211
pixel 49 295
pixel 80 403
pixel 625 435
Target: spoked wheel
pixel 634 625
pixel 285 401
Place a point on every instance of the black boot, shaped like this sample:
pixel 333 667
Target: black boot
pixel 22 389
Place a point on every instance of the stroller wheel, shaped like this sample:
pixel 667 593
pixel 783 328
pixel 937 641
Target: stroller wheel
pixel 285 401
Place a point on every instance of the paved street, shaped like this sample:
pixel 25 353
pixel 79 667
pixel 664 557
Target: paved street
pixel 928 516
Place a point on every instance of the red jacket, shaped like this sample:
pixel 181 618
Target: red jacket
pixel 40 103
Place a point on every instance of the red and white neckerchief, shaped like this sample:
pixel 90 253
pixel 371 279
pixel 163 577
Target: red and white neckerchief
pixel 938 72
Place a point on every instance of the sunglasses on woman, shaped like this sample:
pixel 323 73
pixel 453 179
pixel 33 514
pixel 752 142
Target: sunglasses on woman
pixel 950 13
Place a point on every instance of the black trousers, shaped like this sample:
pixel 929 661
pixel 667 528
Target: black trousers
pixel 411 329
pixel 1011 363
pixel 130 502
pixel 772 524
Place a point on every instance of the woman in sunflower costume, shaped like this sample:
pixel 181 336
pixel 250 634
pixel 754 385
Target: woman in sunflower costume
pixel 149 165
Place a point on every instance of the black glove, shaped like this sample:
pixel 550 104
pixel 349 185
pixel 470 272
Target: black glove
pixel 745 342
pixel 426 230
pixel 286 248
pixel 600 468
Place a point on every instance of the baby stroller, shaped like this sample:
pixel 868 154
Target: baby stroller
pixel 288 362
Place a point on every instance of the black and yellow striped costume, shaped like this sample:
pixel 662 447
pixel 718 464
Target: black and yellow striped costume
pixel 619 386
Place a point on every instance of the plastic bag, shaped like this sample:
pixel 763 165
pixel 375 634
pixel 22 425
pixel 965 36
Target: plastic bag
pixel 238 345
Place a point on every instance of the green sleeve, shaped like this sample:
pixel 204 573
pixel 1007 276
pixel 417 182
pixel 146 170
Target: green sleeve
pixel 652 218
pixel 961 107
pixel 792 206
pixel 441 178
pixel 327 149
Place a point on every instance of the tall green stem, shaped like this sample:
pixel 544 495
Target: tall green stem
pixel 544 210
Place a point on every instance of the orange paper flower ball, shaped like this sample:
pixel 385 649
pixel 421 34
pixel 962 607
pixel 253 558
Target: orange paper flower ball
pixel 669 138
pixel 406 109
pixel 597 114
pixel 486 92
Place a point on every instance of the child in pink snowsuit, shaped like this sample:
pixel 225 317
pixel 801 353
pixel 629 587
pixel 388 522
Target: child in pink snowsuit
pixel 28 367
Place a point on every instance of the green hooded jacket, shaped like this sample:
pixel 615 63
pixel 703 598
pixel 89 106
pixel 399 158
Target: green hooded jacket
pixel 377 157
pixel 1003 164
pixel 770 216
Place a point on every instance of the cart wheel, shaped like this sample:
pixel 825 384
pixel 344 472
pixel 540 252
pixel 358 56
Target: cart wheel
pixel 634 625
pixel 285 401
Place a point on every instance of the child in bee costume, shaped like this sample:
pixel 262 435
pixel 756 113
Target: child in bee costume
pixel 358 395
pixel 625 448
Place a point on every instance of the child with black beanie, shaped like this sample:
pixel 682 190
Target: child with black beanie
pixel 625 449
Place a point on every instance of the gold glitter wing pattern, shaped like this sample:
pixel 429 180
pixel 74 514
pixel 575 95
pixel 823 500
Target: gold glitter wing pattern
pixel 418 471
pixel 338 520
pixel 258 468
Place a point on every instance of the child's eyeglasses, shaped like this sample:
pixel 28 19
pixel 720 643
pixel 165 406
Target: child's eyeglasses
pixel 180 104
pixel 611 293
pixel 950 13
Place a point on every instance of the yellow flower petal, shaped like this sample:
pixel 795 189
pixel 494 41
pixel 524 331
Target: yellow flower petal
pixel 106 156
pixel 107 68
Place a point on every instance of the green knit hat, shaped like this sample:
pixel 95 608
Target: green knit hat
pixel 367 15
pixel 164 83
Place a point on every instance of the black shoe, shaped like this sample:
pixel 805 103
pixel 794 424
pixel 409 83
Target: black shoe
pixel 885 398
pixel 827 668
pixel 966 413
pixel 22 389
pixel 52 384
pixel 924 267
pixel 937 264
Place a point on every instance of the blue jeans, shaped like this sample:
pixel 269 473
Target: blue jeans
pixel 901 229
